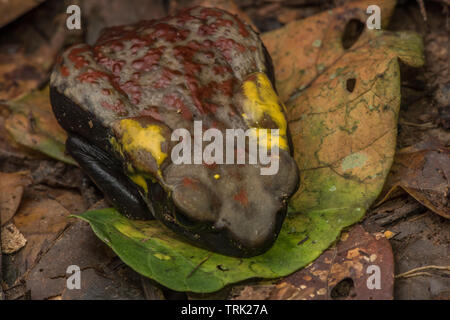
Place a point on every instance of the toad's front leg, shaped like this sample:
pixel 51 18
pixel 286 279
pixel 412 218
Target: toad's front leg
pixel 107 174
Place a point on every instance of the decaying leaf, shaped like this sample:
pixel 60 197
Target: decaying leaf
pixel 9 148
pixel 41 218
pixel 11 9
pixel 33 125
pixel 102 275
pixel 40 222
pixel 360 266
pixel 28 47
pixel 11 189
pixel 342 104
pixel 423 171
pixel 12 240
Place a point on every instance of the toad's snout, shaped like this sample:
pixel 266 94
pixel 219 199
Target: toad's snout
pixel 240 206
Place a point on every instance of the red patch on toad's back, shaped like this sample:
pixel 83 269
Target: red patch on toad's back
pixel 241 197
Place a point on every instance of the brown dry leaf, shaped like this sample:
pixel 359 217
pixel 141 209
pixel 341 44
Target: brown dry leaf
pixel 344 271
pixel 423 171
pixel 10 149
pixel 32 124
pixel 42 218
pixel 12 240
pixel 227 5
pixel 41 221
pixel 19 75
pixel 11 9
pixel 304 49
pixel 103 276
pixel 71 200
pixel 287 15
pixel 342 99
pixel 100 14
pixel 28 48
pixel 11 190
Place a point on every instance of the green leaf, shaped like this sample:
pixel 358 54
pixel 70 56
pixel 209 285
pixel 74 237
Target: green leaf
pixel 156 252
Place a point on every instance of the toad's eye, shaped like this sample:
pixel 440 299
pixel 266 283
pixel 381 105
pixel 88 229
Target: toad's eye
pixel 195 200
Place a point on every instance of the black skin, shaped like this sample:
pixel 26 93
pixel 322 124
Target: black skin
pixel 104 171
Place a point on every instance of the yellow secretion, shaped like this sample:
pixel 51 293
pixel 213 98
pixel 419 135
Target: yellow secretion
pixel 265 137
pixel 140 181
pixel 116 146
pixel 262 99
pixel 135 137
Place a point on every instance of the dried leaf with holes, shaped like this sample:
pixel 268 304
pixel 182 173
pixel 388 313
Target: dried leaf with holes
pixel 359 267
pixel 343 99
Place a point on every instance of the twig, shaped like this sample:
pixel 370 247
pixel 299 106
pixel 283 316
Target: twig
pixel 198 266
pixel 423 11
pixel 415 275
pixel 415 271
pixel 406 210
pixel 418 217
pixel 426 125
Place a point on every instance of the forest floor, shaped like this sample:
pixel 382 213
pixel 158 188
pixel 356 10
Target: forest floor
pixel 419 237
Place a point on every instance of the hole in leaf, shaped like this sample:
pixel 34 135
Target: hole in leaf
pixel 345 288
pixel 268 24
pixel 352 32
pixel 351 84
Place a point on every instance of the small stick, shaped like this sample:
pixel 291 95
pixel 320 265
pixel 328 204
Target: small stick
pixel 414 275
pixel 427 125
pixel 198 266
pixel 415 270
pixel 422 9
